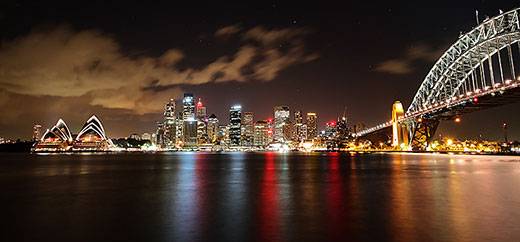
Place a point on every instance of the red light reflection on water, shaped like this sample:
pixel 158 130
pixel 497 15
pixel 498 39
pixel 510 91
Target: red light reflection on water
pixel 335 200
pixel 269 227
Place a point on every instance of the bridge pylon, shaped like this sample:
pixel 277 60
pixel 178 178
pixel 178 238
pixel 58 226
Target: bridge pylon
pixel 399 129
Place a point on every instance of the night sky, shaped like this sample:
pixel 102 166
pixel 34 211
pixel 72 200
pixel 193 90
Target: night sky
pixel 123 61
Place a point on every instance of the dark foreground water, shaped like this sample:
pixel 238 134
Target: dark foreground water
pixel 259 197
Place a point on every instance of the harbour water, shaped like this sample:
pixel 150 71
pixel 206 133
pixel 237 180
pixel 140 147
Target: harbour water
pixel 264 196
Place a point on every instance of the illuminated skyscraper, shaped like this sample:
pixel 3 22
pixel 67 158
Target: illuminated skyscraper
pixel 189 126
pixel 188 104
pixel 282 116
pixel 312 125
pixel 330 130
pixel 213 130
pixel 298 126
pixel 169 125
pixel 249 129
pixel 201 110
pixel 261 134
pixel 235 119
pixel 37 128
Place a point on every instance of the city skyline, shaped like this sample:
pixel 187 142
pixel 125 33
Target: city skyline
pixel 320 70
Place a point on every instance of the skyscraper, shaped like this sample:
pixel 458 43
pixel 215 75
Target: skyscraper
pixel 249 129
pixel 169 125
pixel 298 126
pixel 189 127
pixel 282 116
pixel 188 105
pixel 261 134
pixel 213 130
pixel 235 119
pixel 201 110
pixel 312 125
pixel 37 128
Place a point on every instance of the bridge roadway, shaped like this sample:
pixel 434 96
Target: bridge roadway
pixel 450 109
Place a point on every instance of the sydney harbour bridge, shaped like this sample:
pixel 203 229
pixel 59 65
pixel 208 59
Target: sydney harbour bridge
pixel 478 71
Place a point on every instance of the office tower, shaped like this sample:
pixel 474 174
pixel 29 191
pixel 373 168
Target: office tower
pixel 261 134
pixel 330 130
pixel 169 125
pixel 188 107
pixel 201 110
pixel 160 135
pixel 212 128
pixel 189 126
pixel 288 131
pixel 189 133
pixel 235 120
pixel 298 126
pixel 248 129
pixel 341 128
pixel 312 125
pixel 282 115
pixel 37 128
pixel 202 134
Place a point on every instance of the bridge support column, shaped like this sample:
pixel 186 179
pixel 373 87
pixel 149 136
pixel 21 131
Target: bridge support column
pixel 421 133
pixel 399 130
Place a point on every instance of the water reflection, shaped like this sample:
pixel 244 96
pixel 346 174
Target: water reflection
pixel 261 197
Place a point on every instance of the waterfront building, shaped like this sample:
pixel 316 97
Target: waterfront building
pixel 341 128
pixel 235 120
pixel 189 133
pixel 248 129
pixel 169 125
pixel 188 107
pixel 36 132
pixel 330 130
pixel 298 126
pixel 282 116
pixel 189 126
pixel 146 136
pixel 261 134
pixel 56 138
pixel 159 135
pixel 312 125
pixel 91 136
pixel 213 128
pixel 201 110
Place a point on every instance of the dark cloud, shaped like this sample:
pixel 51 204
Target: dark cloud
pixel 404 65
pixel 88 68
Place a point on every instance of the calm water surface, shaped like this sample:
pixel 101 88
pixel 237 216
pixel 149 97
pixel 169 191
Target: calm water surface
pixel 259 197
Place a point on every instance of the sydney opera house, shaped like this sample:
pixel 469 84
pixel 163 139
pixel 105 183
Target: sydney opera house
pixel 91 137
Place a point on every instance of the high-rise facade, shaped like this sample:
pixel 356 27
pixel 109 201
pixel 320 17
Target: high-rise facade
pixel 282 116
pixel 169 125
pixel 188 107
pixel 235 120
pixel 212 128
pixel 201 110
pixel 248 129
pixel 189 127
pixel 261 134
pixel 37 129
pixel 312 125
pixel 298 126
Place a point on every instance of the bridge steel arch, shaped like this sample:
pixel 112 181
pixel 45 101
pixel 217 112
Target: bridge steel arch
pixel 479 60
pixel 478 71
